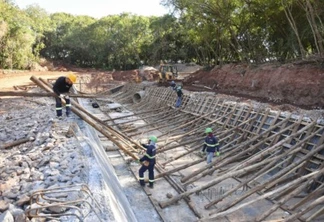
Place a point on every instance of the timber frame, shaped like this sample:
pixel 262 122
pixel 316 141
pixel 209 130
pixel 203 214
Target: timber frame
pixel 267 155
pixel 276 155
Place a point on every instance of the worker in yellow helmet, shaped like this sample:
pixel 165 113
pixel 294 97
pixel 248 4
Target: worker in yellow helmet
pixel 62 86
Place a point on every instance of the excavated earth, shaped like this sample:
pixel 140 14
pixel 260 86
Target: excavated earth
pixel 287 87
pixel 293 84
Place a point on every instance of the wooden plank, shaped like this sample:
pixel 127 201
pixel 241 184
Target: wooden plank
pixel 16 143
pixel 226 123
pixel 265 116
pixel 38 94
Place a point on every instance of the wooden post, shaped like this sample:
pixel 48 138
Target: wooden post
pixel 179 189
pixel 36 94
pixel 121 117
pixel 215 181
pixel 295 191
pixel 282 188
pixel 115 133
pixel 83 114
pixel 310 196
pixel 145 126
pixel 274 180
pixel 242 184
pixel 186 124
pixel 16 143
pixel 225 160
pixel 174 118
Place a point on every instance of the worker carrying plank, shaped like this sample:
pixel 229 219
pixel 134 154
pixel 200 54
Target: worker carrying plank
pixel 62 86
pixel 148 161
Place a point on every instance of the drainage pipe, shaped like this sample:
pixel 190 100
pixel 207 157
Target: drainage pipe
pixel 138 96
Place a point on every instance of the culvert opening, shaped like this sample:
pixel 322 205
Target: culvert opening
pixel 138 96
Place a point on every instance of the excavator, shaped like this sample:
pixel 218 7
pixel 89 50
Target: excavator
pixel 167 73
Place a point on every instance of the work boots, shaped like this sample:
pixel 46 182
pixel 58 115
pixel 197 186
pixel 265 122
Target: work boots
pixel 150 186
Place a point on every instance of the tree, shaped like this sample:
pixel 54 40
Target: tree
pixel 16 38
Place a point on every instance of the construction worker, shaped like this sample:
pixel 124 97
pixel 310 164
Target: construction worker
pixel 211 145
pixel 173 85
pixel 179 94
pixel 148 162
pixel 62 86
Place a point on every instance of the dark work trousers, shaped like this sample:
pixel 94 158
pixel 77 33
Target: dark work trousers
pixel 59 106
pixel 141 171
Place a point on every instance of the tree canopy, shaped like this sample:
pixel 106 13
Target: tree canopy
pixel 206 32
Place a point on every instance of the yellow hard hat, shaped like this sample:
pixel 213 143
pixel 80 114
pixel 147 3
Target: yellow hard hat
pixel 72 77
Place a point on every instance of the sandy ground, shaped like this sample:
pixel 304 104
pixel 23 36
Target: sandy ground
pixel 8 81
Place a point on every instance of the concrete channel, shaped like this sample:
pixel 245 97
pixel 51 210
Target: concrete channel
pixel 270 167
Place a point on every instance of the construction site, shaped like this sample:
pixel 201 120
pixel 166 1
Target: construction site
pixel 83 168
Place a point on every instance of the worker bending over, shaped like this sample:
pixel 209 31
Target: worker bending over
pixel 211 145
pixel 61 86
pixel 148 161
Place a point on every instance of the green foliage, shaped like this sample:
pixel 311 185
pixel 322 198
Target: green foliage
pixel 16 38
pixel 207 32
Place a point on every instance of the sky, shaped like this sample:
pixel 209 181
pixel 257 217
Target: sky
pixel 98 8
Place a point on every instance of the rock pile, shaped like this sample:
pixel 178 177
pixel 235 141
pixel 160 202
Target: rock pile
pixel 51 160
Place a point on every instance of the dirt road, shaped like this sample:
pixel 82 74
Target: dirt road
pixel 8 81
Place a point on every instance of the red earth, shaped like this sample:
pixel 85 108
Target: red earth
pixel 298 84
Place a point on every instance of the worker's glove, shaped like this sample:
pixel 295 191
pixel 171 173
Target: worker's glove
pixel 202 152
pixel 137 161
pixel 66 97
pixel 62 96
pixel 217 154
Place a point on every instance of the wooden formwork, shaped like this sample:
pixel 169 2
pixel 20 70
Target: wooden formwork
pixel 276 156
pixel 273 159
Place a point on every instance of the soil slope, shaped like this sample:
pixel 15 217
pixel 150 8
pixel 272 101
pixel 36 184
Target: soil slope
pixel 296 84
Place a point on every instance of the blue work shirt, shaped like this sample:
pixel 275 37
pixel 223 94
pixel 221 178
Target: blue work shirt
pixel 150 153
pixel 211 143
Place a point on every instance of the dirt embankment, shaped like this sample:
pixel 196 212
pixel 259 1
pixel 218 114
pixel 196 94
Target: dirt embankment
pixel 296 84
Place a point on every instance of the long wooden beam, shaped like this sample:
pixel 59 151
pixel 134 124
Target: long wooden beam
pixel 279 189
pixel 260 155
pixel 178 119
pixel 186 124
pixel 242 184
pixel 309 207
pixel 294 190
pixel 131 115
pixel 273 180
pixel 168 115
pixel 112 131
pixel 16 143
pixel 39 94
pixel 84 115
pixel 164 204
pixel 150 116
pixel 226 159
